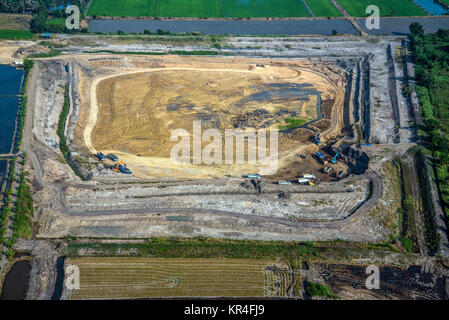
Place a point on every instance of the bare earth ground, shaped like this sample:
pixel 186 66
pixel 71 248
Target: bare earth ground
pixel 113 204
pixel 362 207
pixel 140 110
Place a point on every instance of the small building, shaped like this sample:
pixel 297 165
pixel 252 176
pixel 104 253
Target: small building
pixel 18 62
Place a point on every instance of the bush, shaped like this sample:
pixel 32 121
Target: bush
pixel 314 289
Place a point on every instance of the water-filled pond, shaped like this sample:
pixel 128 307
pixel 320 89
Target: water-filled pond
pixel 15 285
pixel 432 7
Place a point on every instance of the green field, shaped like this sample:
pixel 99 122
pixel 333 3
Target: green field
pixel 16 34
pixel 264 8
pixel 190 8
pixel 388 8
pixel 57 21
pixel 323 8
pixel 126 8
pixel 200 8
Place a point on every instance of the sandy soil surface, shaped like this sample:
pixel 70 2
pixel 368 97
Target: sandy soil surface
pixel 139 107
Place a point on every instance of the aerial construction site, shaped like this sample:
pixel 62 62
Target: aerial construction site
pixel 345 156
pixel 127 106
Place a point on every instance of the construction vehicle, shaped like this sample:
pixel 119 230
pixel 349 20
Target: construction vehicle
pixel 112 157
pixel 253 176
pixel 303 181
pixel 121 167
pixel 334 160
pixel 328 170
pixel 321 158
pixel 284 182
pixel 309 176
pixel 100 156
pixel 317 140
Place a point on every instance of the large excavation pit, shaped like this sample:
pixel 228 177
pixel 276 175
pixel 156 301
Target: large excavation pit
pixel 134 115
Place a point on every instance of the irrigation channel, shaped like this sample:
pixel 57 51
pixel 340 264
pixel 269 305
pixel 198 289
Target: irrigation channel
pixel 285 27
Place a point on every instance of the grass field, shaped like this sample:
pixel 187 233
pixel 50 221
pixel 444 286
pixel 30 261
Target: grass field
pixel 16 34
pixel 323 8
pixel 388 8
pixel 125 277
pixel 199 8
pixel 57 21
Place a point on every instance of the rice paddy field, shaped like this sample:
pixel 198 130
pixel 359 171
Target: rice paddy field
pixel 264 8
pixel 248 8
pixel 388 8
pixel 323 8
pixel 139 277
pixel 199 8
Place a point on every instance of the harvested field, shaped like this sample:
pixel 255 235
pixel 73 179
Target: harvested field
pixel 15 21
pixel 105 278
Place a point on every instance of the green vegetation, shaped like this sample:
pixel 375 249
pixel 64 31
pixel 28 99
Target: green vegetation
pixel 61 127
pixel 314 289
pixel 200 8
pixel 200 247
pixel 5 211
pixel 203 248
pixel 52 53
pixel 388 8
pixel 264 8
pixel 16 35
pixel 430 229
pixel 192 8
pixel 292 123
pixel 407 223
pixel 28 65
pixel 432 74
pixel 127 8
pixel 323 8
pixel 22 227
